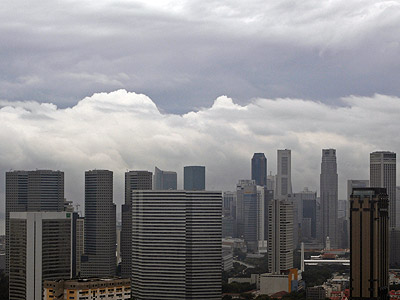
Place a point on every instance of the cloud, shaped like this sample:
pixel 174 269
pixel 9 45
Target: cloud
pixel 185 53
pixel 123 130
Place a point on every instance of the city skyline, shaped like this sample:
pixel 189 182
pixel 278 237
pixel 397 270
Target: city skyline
pixel 180 186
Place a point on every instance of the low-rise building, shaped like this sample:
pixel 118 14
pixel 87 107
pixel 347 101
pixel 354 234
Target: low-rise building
pixel 87 289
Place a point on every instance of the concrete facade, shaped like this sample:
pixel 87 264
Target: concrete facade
pixel 134 180
pixel 176 245
pixel 280 236
pixel 284 176
pixel 329 196
pixel 40 249
pixel 99 259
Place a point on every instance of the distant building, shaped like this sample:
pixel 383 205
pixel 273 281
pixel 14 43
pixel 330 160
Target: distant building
pixel 80 242
pixel 229 204
pixel 305 215
pixel 40 249
pixel 99 259
pixel 164 180
pixel 329 196
pixel 284 176
pixel 280 236
pixel 383 174
pixel 259 169
pixel 84 289
pixel 134 180
pixel 176 245
pixel 369 244
pixel 194 178
pixel 271 284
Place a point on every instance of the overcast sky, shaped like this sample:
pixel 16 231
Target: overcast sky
pixel 303 75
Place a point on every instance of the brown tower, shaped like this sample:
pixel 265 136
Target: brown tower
pixel 369 244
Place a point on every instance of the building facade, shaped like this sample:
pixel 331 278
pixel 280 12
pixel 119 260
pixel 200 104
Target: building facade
pixel 383 174
pixel 134 180
pixel 40 190
pixel 176 245
pixel 329 196
pixel 164 180
pixel 280 236
pixel 40 249
pixel 369 244
pixel 194 178
pixel 87 289
pixel 99 259
pixel 259 169
pixel 284 176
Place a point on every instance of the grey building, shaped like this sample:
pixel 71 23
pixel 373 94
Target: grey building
pixel 246 191
pixel 194 178
pixel 329 196
pixel 284 176
pixel 259 169
pixel 164 180
pixel 369 244
pixel 176 245
pixel 383 174
pixel 40 249
pixel 40 190
pixel 134 180
pixel 280 236
pixel 305 214
pixel 99 259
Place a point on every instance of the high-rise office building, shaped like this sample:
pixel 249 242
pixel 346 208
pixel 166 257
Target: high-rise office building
pixel 259 169
pixel 40 190
pixel 304 204
pixel 134 180
pixel 369 244
pixel 280 236
pixel 40 249
pixel 329 196
pixel 80 242
pixel 194 178
pixel 284 176
pixel 176 245
pixel 383 174
pixel 99 259
pixel 245 189
pixel 264 197
pixel 355 183
pixel 164 180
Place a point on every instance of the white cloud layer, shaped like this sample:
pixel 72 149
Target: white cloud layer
pixel 122 130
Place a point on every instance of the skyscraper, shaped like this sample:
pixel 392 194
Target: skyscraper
pixel 100 225
pixel 383 174
pixel 164 180
pixel 40 249
pixel 40 190
pixel 176 245
pixel 245 189
pixel 280 236
pixel 259 169
pixel 284 176
pixel 369 244
pixel 134 180
pixel 329 196
pixel 194 178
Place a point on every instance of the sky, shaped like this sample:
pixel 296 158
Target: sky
pixel 137 84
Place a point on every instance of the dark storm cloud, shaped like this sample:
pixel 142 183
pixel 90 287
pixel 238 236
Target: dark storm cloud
pixel 183 54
